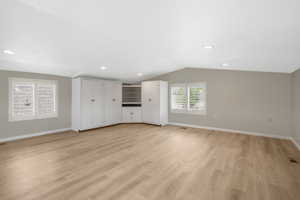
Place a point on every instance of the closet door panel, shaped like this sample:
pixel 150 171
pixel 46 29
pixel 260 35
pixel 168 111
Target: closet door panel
pixel 151 99
pixel 116 103
pixel 87 105
pixel 113 104
pixel 108 103
pixel 99 104
pixel 146 107
pixel 155 103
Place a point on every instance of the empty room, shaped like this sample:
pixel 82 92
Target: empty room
pixel 149 100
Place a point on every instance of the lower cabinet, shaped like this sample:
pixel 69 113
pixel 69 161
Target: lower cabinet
pixel 132 114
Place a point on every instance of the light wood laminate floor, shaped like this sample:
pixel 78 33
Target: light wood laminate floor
pixel 145 162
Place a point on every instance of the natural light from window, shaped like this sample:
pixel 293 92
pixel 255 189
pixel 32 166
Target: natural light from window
pixel 32 99
pixel 188 98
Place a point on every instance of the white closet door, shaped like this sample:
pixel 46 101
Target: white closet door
pixel 87 102
pixel 113 102
pixel 93 111
pixel 108 103
pixel 99 104
pixel 151 102
pixel 116 99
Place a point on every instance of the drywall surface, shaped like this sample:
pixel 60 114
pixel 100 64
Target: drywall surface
pixel 296 106
pixel 258 102
pixel 27 127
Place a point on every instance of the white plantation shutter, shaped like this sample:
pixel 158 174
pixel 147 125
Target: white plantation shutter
pixel 178 97
pixel 32 99
pixel 22 105
pixel 188 98
pixel 46 99
pixel 197 97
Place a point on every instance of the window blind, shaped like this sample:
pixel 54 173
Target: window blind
pixel 23 100
pixel 46 99
pixel 196 98
pixel 178 98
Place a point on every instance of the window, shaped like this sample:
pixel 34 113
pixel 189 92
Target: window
pixel 188 98
pixel 178 97
pixel 32 99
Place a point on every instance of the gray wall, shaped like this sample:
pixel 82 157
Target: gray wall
pixel 296 106
pixel 257 102
pixel 249 101
pixel 12 129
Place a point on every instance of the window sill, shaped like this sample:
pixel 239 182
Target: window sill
pixel 189 112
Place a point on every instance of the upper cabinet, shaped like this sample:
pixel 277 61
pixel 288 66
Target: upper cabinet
pixel 155 102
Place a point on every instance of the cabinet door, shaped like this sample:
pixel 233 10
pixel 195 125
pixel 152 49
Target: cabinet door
pixel 116 102
pixel 126 115
pixel 99 103
pixel 151 102
pixel 136 117
pixel 113 104
pixel 132 115
pixel 92 105
pixel 87 102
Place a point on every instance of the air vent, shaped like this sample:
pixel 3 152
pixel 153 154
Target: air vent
pixel 293 161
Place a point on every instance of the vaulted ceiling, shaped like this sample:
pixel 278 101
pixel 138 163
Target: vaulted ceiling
pixel 77 37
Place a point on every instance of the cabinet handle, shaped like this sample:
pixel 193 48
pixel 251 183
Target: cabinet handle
pixel 149 99
pixel 27 103
pixel 93 100
pixel 113 100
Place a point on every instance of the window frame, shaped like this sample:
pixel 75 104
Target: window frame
pixel 35 82
pixel 187 109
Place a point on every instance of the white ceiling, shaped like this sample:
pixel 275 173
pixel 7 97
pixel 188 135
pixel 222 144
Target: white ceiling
pixel 72 37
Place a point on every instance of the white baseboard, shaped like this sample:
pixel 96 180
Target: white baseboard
pixel 170 123
pixel 33 135
pixel 296 143
pixel 231 131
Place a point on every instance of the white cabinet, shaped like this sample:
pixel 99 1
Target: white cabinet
pixel 155 102
pixel 95 103
pixel 92 104
pixel 132 115
pixel 113 105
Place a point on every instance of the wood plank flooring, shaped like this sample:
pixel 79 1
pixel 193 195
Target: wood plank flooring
pixel 145 162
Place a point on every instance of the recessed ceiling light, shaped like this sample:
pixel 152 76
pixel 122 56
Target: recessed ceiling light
pixel 225 65
pixel 140 74
pixel 9 52
pixel 103 68
pixel 208 47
